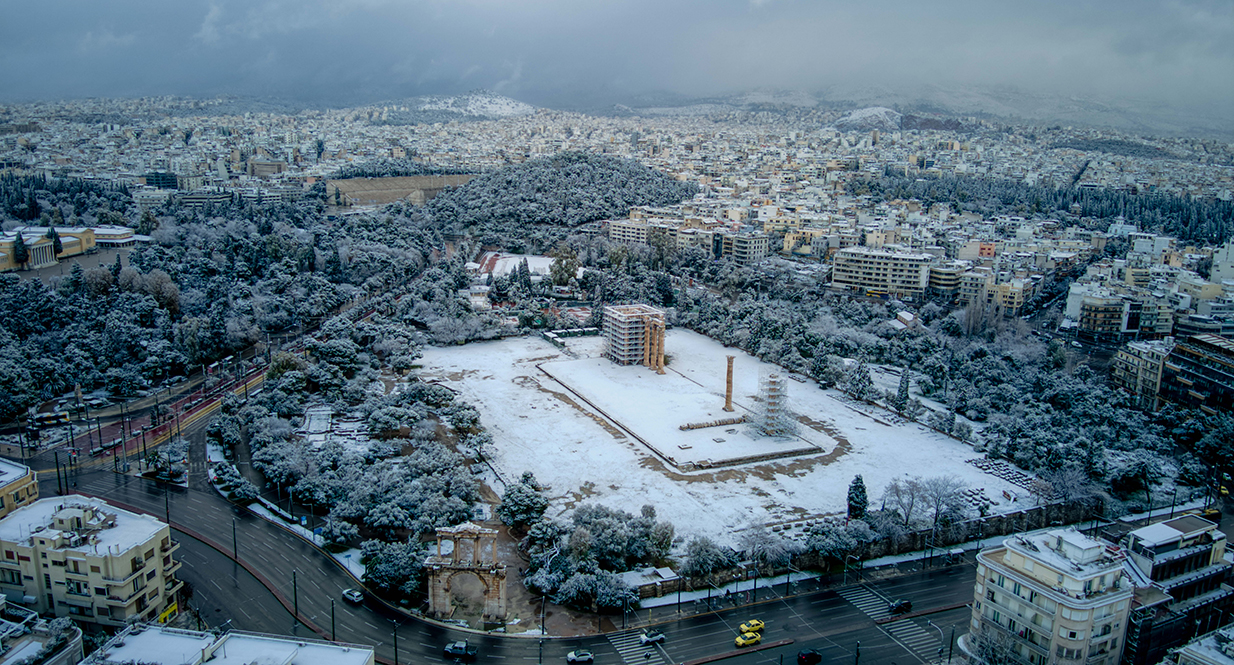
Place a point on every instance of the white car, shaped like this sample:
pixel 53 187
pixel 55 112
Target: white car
pixel 353 596
pixel 580 656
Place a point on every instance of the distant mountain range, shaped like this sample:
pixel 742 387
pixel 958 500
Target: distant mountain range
pixel 938 107
pixel 845 107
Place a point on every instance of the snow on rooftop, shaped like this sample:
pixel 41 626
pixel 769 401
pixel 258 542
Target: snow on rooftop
pixel 10 471
pixel 161 645
pixel 251 649
pixel 1156 534
pixel 1067 551
pixel 158 646
pixel 129 529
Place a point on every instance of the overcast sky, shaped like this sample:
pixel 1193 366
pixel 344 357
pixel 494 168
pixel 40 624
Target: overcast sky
pixel 549 51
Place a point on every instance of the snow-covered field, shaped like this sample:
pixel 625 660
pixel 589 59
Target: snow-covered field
pixel 652 408
pixel 539 425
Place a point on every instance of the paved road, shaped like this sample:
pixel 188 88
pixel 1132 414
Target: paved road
pixel 257 593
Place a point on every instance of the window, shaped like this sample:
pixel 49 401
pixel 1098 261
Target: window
pixel 100 591
pixel 10 577
pixel 94 569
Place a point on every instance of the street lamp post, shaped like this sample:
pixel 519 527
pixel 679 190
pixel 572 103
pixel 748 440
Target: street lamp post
pixel 235 544
pixel 851 556
pixel 395 622
pixel 333 635
pixel 544 598
pixel 940 636
pixel 295 596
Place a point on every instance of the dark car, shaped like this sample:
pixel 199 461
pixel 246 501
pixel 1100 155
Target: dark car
pixel 461 650
pixel 809 657
pixel 900 606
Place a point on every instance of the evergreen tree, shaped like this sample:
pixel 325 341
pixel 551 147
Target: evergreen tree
pixel 860 385
pixel 148 223
pixel 565 264
pixel 21 253
pixel 902 392
pixel 77 277
pixel 858 502
pixel 116 267
pixel 338 197
pixel 524 275
pixel 334 266
pixel 54 236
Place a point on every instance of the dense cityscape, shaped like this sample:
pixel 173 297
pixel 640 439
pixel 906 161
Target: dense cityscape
pixel 460 378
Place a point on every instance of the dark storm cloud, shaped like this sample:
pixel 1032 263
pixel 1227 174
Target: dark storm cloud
pixel 1181 51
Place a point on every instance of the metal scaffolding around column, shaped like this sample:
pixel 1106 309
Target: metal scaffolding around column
pixel 634 334
pixel 774 419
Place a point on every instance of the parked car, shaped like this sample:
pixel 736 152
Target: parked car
pixel 751 626
pixel 353 596
pixel 746 639
pixel 651 637
pixel 579 656
pixel 461 650
pixel 809 657
pixel 900 606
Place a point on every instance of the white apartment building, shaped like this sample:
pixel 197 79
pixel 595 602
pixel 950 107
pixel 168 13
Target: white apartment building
pixel 83 558
pixel 882 270
pixel 1054 596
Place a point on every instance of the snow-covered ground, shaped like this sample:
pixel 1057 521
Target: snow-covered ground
pixel 539 425
pixel 653 407
pixel 320 426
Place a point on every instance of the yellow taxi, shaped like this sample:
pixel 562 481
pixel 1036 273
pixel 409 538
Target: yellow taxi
pixel 751 626
pixel 746 639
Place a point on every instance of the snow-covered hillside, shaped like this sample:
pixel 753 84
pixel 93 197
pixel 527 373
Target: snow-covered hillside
pixel 481 103
pixel 875 117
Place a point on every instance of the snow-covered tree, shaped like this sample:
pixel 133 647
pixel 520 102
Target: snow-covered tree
pixel 522 504
pixel 858 502
pixel 704 557
pixel 860 385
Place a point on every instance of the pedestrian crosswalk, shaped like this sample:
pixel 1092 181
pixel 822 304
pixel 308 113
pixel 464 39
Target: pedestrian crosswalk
pixel 867 601
pixel 914 638
pixel 633 653
pixel 906 632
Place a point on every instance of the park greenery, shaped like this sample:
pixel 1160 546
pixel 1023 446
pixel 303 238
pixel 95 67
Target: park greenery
pixel 215 281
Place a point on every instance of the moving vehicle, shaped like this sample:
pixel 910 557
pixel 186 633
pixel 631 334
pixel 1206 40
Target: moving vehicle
pixel 900 606
pixel 461 651
pixel 809 657
pixel 746 639
pixel 579 656
pixel 353 596
pixel 751 626
pixel 651 637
